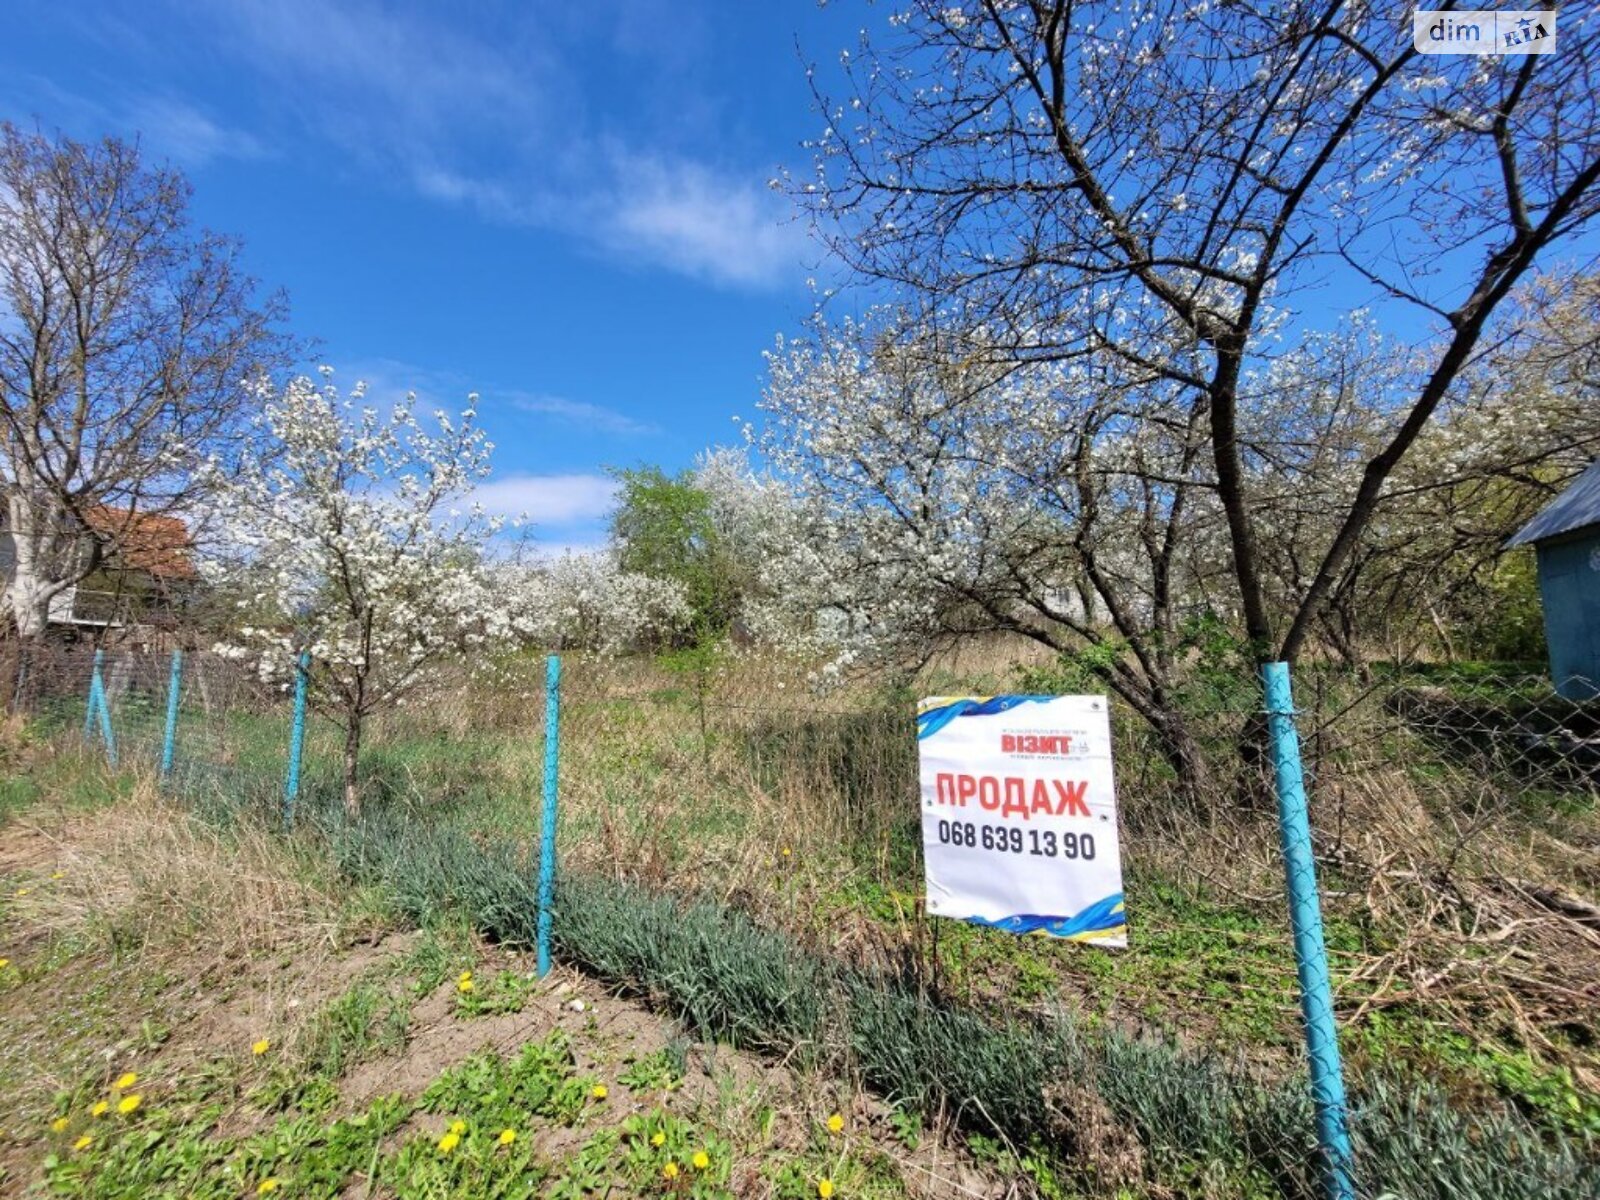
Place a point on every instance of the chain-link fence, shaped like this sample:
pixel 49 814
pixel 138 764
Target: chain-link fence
pixel 1453 824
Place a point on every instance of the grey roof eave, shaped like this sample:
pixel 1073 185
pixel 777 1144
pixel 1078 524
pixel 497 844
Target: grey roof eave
pixel 1577 507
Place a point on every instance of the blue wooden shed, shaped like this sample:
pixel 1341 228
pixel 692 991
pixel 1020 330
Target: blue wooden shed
pixel 1566 538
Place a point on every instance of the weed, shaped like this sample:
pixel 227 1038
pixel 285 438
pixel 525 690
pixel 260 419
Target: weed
pixel 489 1091
pixel 907 1125
pixel 506 992
pixel 661 1071
pixel 362 1022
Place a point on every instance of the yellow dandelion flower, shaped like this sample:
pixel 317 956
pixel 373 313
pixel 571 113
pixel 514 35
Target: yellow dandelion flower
pixel 598 1091
pixel 701 1160
pixel 129 1104
pixel 99 1108
pixel 464 977
pixel 23 891
pixel 449 1142
pixel 60 1124
pixel 465 986
pixel 825 1188
pixel 458 1127
pixel 507 1136
pixel 267 1186
pixel 4 963
pixel 126 1081
pixel 261 1047
pixel 836 1123
pixel 83 1143
pixel 786 852
pixel 658 1138
pixel 670 1171
pixel 58 875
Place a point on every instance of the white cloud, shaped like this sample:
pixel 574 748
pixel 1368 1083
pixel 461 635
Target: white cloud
pixel 720 227
pixel 389 380
pixel 166 126
pixel 488 115
pixel 429 102
pixel 572 499
pixel 594 417
pixel 186 134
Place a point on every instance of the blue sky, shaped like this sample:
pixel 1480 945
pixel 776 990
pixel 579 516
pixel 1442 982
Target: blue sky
pixel 561 206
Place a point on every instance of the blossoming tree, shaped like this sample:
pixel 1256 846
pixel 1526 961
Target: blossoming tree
pixel 359 535
pixel 938 494
pixel 1170 197
pixel 589 601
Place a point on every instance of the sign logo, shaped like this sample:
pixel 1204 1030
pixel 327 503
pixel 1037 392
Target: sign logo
pixel 1019 815
pixel 1484 31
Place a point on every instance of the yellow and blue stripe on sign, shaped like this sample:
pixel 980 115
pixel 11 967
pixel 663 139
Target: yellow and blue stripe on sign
pixel 936 712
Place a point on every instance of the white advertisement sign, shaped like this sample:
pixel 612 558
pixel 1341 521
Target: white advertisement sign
pixel 1019 814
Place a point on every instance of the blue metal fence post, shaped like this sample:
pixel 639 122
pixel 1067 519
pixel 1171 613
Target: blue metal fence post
pixel 94 692
pixel 297 738
pixel 1311 955
pixel 169 739
pixel 547 822
pixel 100 707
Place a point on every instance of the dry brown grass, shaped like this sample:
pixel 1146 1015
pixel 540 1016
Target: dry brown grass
pixel 144 932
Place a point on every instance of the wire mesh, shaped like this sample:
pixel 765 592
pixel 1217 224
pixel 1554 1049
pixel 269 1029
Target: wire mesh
pixel 1453 826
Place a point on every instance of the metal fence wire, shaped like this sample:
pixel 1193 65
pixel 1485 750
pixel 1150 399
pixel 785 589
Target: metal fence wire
pixel 1451 816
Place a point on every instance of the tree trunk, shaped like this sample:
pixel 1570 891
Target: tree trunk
pixel 1183 755
pixel 352 758
pixel 28 595
pixel 37 556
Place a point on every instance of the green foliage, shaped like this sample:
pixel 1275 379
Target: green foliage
pixel 858 1173
pixel 1402 1040
pixel 444 949
pixel 662 1071
pixel 1203 1123
pixel 320 1159
pixel 175 1150
pixel 506 992
pixel 907 1125
pixel 1081 671
pixel 726 978
pixel 362 1022
pixel 476 1166
pixel 1509 624
pixel 663 527
pixel 492 1093
pixel 723 976
pixel 652 1140
pixel 930 1055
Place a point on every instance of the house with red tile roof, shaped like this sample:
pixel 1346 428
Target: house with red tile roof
pixel 147 576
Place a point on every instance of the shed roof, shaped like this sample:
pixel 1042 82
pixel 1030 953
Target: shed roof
pixel 1574 509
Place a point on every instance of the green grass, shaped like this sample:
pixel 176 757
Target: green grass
pixel 480 1129
pixel 1403 1038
